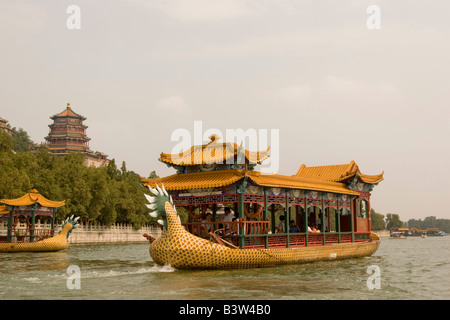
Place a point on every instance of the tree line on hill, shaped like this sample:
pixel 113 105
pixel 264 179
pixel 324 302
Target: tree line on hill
pixel 104 195
pixel 392 220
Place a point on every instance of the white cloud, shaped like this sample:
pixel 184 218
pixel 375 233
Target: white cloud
pixel 295 93
pixel 331 87
pixel 339 85
pixel 208 10
pixel 17 15
pixel 173 104
pixel 332 96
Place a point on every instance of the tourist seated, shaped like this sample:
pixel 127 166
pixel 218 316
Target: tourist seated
pixel 293 227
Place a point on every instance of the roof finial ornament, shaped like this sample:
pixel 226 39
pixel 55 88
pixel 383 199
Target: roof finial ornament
pixel 68 105
pixel 214 137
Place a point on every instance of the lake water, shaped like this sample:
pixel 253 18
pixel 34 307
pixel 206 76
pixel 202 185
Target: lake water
pixel 414 268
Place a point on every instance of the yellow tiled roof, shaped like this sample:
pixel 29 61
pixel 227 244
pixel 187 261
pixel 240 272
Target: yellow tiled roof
pixel 68 112
pixel 281 181
pixel 31 198
pixel 3 210
pixel 202 180
pixel 336 173
pixel 213 152
pixel 196 180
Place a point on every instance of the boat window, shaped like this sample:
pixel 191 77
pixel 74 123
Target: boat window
pixel 344 211
pixel 362 209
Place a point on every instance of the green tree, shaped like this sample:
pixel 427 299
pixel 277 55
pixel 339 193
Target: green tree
pixel 112 171
pixel 98 195
pixel 5 142
pixel 393 221
pixel 21 140
pixel 72 178
pixel 97 184
pixel 153 175
pixel 13 181
pixel 130 206
pixel 430 222
pixel 377 220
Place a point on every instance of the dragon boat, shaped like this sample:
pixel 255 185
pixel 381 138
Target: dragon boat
pixel 321 213
pixel 24 233
pixel 182 250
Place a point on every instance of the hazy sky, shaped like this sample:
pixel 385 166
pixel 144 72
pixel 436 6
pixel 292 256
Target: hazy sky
pixel 336 90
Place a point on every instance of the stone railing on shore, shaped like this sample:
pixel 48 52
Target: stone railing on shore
pixel 112 234
pixel 383 233
pixel 117 233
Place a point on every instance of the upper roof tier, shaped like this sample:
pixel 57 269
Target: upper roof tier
pixel 31 198
pixel 68 112
pixel 337 173
pixel 214 152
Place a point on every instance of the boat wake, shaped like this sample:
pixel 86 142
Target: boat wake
pixel 114 273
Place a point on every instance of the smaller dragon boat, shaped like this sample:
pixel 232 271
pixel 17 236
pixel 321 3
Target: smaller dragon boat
pixel 24 234
pixel 56 243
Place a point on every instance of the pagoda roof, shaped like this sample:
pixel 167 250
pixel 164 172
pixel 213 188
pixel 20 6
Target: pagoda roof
pixel 68 112
pixel 31 198
pixel 213 152
pixel 220 178
pixel 3 210
pixel 337 173
pixel 78 135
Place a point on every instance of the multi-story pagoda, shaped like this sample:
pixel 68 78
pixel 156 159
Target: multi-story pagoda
pixel 68 134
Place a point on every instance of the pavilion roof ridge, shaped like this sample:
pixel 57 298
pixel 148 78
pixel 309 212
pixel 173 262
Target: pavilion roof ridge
pixel 337 173
pixel 213 152
pixel 31 198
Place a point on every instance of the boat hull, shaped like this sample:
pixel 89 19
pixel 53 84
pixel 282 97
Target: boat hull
pixel 208 255
pixel 182 250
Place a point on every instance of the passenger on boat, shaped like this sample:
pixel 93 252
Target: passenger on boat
pixel 293 227
pixel 281 225
pixel 227 218
pixel 228 215
pixel 207 218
